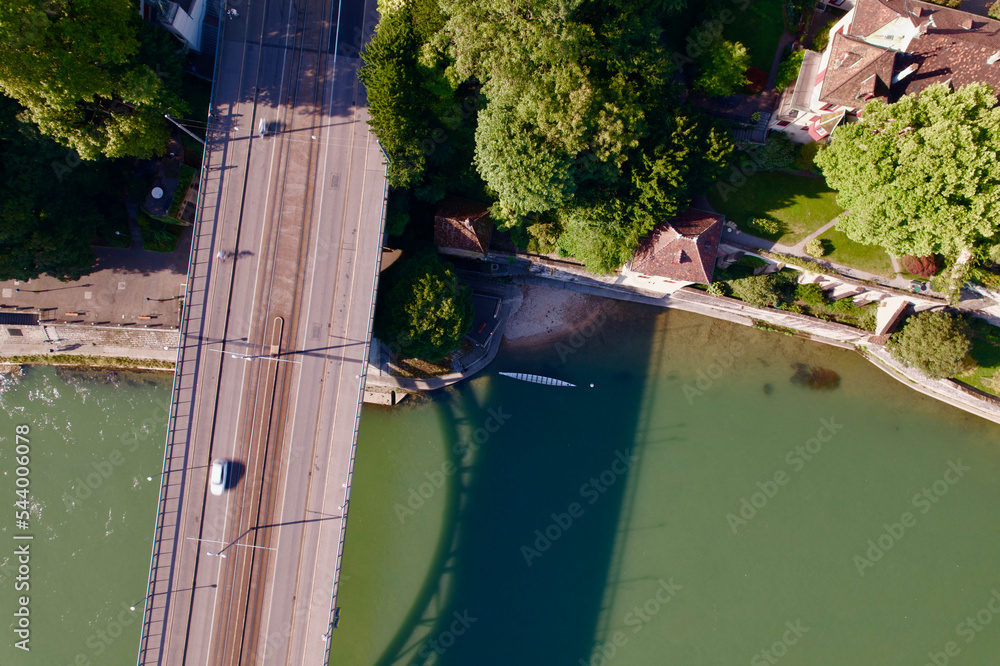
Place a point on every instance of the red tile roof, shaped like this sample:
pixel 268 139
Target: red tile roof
pixel 683 248
pixel 949 46
pixel 462 225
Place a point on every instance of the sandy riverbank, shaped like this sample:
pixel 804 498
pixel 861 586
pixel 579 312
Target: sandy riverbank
pixel 548 314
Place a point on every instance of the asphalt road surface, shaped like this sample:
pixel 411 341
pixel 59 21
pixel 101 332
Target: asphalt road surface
pixel 279 301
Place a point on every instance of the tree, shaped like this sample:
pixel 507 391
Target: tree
pixel 921 176
pixel 581 122
pixel 426 313
pixel 51 205
pixel 933 342
pixel 83 71
pixel 722 69
pixel 994 11
pixel 392 77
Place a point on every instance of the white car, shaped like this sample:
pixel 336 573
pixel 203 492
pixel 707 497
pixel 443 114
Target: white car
pixel 219 477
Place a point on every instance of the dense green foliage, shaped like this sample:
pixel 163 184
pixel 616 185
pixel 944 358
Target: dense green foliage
pixel 722 69
pixel 815 248
pixel 85 73
pixel 921 176
pixel 763 290
pixel 994 11
pixel 51 205
pixel 575 124
pixel 933 342
pixel 426 313
pixel 788 71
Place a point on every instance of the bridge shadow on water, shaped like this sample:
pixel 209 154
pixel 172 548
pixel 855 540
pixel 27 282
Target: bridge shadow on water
pixel 528 559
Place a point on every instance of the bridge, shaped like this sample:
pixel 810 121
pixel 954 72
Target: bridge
pixel 273 348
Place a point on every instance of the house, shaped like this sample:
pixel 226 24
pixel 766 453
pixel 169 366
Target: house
pixel 678 252
pixel 885 49
pixel 462 228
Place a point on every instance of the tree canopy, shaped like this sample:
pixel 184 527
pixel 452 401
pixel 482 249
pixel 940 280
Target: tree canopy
pixel 933 342
pixel 84 71
pixel 582 120
pixel 722 69
pixel 51 208
pixel 426 312
pixel 578 131
pixel 921 176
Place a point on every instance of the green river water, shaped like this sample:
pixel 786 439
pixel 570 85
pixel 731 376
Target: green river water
pixel 695 507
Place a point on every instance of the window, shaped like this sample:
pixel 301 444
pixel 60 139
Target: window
pixel 15 332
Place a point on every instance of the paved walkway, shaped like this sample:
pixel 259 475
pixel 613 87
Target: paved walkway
pixel 783 42
pixel 131 287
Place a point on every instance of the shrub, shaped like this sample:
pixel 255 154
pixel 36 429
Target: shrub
pixel 810 294
pixel 954 4
pixel 869 318
pixel 922 266
pixel 755 116
pixel 995 10
pixel 933 342
pixel 788 71
pixel 815 248
pixel 763 290
pixel 763 225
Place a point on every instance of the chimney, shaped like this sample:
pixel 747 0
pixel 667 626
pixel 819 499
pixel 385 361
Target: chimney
pixel 904 73
pixel 993 58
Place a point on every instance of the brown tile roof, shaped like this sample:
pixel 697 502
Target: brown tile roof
pixel 463 225
pixel 856 72
pixel 951 45
pixel 683 248
pixel 870 15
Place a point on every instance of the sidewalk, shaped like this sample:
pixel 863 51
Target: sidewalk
pixel 129 286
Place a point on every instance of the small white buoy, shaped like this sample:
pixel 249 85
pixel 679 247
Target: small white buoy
pixel 131 608
pixel 591 386
pixel 149 478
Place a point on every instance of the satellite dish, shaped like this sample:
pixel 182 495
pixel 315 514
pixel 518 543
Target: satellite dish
pixel 157 192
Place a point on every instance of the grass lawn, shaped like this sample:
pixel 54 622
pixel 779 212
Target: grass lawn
pixel 758 28
pixel 800 203
pixel 842 250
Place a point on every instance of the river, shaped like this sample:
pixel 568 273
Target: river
pixel 701 504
